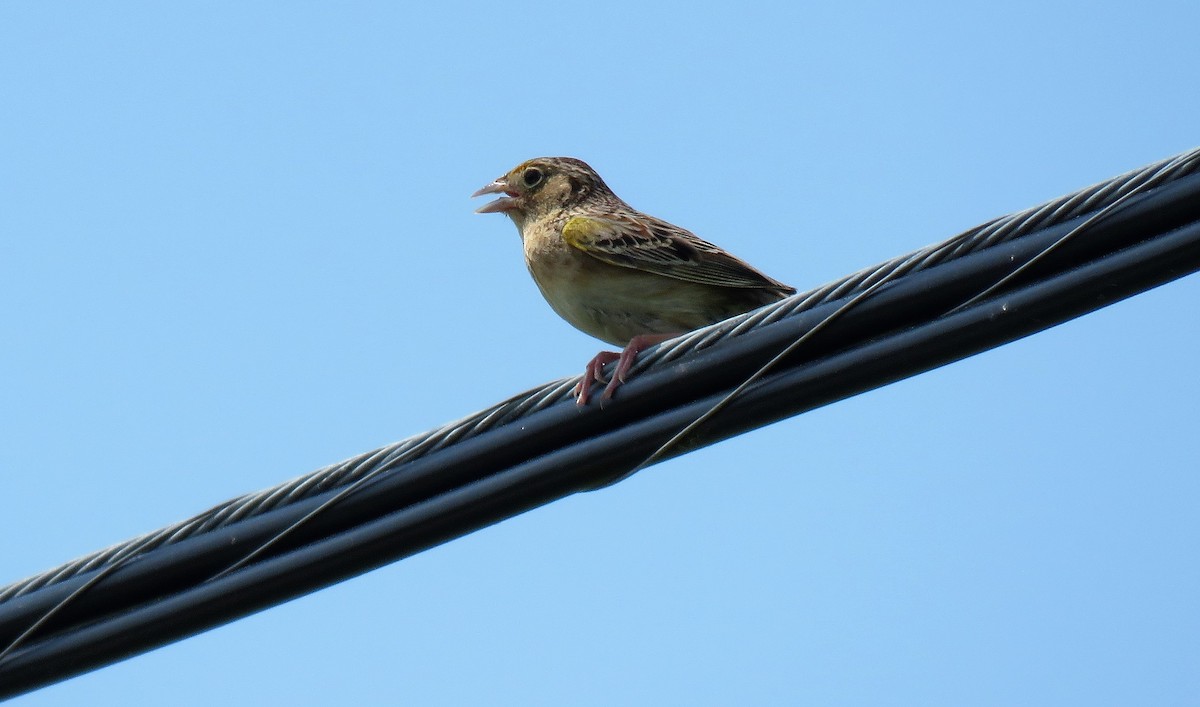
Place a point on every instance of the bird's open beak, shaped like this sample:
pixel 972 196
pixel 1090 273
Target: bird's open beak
pixel 500 186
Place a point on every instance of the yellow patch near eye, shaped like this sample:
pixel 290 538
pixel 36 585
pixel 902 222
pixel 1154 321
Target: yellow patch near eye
pixel 520 169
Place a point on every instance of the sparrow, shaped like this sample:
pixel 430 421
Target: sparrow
pixel 622 276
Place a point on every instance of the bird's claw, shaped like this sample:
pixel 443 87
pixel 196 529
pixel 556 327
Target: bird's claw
pixel 594 373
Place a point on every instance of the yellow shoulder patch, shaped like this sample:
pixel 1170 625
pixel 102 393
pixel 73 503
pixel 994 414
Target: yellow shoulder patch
pixel 580 231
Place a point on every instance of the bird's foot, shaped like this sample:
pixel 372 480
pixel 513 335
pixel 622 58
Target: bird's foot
pixel 595 368
pixel 593 373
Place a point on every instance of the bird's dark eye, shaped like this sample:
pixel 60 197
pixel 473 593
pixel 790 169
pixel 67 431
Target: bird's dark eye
pixel 532 176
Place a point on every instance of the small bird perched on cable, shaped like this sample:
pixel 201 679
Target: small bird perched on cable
pixel 622 276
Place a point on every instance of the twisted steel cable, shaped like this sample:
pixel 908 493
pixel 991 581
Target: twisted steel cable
pixel 370 465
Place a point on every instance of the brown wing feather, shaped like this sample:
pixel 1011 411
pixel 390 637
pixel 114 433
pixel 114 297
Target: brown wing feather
pixel 653 245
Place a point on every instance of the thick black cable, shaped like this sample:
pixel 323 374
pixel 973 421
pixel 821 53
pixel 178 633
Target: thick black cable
pixel 173 572
pixel 915 298
pixel 359 469
pixel 436 520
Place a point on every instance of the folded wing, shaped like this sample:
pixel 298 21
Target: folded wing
pixel 650 244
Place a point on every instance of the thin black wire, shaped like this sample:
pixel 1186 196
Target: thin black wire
pixel 62 604
pixel 751 380
pixel 331 501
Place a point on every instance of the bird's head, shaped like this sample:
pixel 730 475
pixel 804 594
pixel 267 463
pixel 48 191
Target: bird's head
pixel 541 186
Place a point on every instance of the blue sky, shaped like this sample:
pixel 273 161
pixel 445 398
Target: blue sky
pixel 236 246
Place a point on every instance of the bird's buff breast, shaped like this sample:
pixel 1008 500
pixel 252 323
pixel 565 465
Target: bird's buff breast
pixel 609 302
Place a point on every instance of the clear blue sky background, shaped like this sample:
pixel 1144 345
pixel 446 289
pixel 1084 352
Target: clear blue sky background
pixel 236 245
